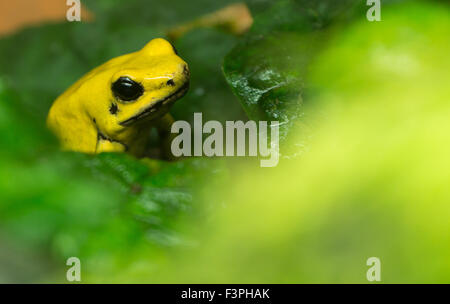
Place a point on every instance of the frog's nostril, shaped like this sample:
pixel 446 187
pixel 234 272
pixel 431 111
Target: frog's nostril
pixel 170 82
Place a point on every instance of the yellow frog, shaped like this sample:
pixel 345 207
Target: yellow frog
pixel 113 107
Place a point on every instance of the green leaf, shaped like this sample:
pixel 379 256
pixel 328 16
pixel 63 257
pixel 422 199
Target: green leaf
pixel 268 68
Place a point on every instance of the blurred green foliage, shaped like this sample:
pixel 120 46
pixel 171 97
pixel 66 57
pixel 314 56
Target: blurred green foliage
pixel 371 98
pixel 375 181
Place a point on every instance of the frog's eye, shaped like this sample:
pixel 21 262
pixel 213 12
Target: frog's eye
pixel 126 89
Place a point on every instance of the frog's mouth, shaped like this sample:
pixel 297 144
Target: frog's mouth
pixel 156 105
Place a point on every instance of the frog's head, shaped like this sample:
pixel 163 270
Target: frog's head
pixel 136 87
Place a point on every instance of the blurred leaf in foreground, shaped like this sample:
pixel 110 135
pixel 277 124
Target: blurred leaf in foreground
pixel 374 183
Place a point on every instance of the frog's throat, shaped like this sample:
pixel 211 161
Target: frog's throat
pixel 155 106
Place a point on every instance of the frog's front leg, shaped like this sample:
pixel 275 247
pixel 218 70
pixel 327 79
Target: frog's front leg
pixel 164 126
pixel 107 145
